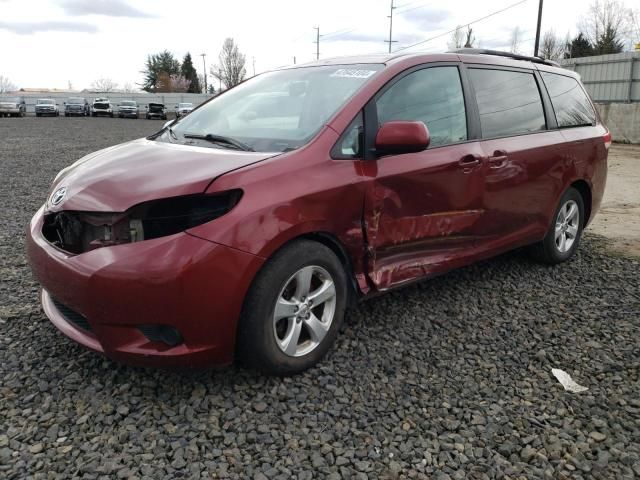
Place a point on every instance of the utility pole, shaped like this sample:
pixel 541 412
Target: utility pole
pixel 254 66
pixel 391 40
pixel 294 59
pixel 535 49
pixel 317 42
pixel 204 71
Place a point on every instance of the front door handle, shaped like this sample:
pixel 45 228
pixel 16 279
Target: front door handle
pixel 498 159
pixel 469 162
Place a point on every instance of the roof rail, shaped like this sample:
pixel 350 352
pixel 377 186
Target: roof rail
pixel 515 56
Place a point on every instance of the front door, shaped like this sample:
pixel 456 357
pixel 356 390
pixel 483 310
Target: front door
pixel 421 210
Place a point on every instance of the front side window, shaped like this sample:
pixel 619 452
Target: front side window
pixel 276 111
pixel 432 96
pixel 509 102
pixel 570 103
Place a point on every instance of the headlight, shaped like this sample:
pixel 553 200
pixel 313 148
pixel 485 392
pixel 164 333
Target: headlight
pixel 79 232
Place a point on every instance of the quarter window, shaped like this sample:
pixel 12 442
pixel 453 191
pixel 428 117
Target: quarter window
pixel 432 96
pixel 509 103
pixel 570 103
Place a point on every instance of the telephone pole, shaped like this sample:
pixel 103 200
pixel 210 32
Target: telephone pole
pixel 535 48
pixel 391 40
pixel 254 66
pixel 317 42
pixel 204 72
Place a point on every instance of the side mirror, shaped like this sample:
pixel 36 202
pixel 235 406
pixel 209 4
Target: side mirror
pixel 402 137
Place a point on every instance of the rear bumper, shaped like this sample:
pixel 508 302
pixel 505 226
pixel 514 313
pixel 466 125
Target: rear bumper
pixel 191 284
pixel 9 110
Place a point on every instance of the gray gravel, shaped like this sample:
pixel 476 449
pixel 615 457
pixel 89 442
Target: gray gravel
pixel 447 379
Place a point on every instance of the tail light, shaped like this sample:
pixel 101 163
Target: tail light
pixel 607 139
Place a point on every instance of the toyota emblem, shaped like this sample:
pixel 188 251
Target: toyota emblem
pixel 58 196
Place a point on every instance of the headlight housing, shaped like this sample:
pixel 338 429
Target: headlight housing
pixel 79 232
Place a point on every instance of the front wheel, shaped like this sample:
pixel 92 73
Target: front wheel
pixel 563 237
pixel 293 310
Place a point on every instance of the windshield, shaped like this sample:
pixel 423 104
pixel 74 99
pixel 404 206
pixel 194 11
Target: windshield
pixel 275 111
pixel 128 104
pixel 75 100
pixel 10 100
pixel 46 101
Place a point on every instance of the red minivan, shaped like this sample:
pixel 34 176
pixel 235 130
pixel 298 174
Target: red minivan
pixel 244 230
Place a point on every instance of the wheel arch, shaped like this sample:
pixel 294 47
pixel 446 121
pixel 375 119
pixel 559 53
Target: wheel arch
pixel 333 243
pixel 585 192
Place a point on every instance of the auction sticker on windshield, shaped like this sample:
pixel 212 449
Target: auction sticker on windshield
pixel 351 73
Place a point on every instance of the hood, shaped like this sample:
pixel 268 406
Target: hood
pixel 115 179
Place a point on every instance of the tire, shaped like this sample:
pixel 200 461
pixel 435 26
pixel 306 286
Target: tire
pixel 262 339
pixel 564 234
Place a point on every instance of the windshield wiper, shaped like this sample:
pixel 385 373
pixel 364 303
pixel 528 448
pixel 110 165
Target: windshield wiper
pixel 219 139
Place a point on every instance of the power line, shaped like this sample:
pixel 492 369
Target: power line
pixel 400 12
pixel 468 23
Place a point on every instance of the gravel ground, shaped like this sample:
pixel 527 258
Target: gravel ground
pixel 450 378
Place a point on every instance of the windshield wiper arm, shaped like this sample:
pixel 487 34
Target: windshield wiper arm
pixel 210 137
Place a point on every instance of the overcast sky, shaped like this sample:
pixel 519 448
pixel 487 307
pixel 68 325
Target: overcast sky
pixel 49 43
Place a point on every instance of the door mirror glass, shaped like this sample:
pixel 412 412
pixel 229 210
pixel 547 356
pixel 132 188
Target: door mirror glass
pixel 402 137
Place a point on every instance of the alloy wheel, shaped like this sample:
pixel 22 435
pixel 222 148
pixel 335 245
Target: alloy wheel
pixel 304 311
pixel 567 226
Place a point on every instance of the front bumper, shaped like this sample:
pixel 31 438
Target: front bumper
pixel 9 110
pixel 45 111
pixel 128 113
pixel 191 284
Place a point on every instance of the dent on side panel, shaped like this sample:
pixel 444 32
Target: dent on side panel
pixel 403 247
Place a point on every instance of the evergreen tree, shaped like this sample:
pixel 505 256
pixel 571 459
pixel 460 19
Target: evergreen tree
pixel 189 73
pixel 579 47
pixel 608 42
pixel 157 64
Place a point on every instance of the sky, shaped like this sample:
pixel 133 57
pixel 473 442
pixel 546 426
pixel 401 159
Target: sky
pixel 57 43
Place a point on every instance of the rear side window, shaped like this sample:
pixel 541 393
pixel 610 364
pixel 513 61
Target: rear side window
pixel 570 103
pixel 509 102
pixel 432 96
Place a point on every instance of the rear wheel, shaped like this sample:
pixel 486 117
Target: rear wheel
pixel 293 310
pixel 563 237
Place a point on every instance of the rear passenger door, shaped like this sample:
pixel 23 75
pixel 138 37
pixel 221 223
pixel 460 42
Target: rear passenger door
pixel 523 155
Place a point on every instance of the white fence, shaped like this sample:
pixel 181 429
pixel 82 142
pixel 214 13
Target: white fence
pixel 609 78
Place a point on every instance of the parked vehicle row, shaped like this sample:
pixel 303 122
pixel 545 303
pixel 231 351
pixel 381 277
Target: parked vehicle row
pixel 79 106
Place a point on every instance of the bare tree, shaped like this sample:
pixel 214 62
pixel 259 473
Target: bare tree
pixel 104 85
pixel 231 67
pixel 470 38
pixel 457 39
pixel 516 40
pixel 6 85
pixel 552 47
pixel 128 88
pixel 610 19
